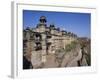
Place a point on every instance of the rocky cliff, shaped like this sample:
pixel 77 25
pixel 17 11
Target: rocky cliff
pixel 75 54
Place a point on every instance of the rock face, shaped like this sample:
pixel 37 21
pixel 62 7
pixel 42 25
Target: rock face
pixel 86 51
pixel 72 57
pixel 36 59
pixel 78 55
pixel 74 61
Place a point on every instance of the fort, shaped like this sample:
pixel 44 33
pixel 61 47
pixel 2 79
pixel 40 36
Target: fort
pixel 44 40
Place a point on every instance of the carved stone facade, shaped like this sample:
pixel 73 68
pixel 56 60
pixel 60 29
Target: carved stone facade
pixel 44 40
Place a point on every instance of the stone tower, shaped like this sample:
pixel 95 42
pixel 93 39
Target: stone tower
pixel 42 28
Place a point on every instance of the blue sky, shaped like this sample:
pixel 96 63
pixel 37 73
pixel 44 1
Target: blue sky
pixel 78 23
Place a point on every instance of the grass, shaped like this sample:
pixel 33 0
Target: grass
pixel 71 46
pixel 68 47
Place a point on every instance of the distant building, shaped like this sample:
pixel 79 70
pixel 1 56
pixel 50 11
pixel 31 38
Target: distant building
pixel 45 39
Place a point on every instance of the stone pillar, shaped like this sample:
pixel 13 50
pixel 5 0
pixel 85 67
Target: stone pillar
pixel 44 51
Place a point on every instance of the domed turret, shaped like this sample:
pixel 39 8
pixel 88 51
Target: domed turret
pixel 43 19
pixel 42 22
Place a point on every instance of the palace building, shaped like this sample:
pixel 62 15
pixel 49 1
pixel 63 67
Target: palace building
pixel 45 39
